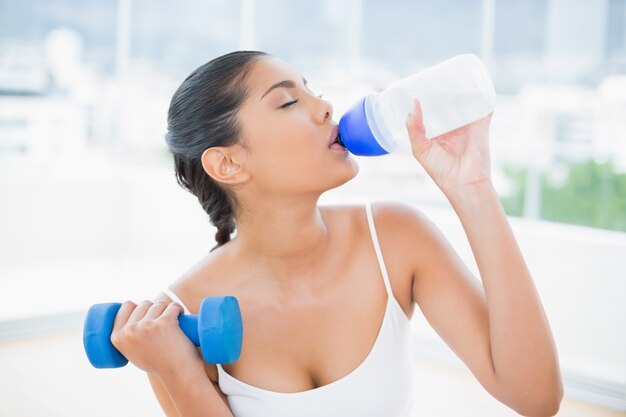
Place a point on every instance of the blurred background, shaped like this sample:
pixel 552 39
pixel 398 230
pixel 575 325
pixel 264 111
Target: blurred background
pixel 90 210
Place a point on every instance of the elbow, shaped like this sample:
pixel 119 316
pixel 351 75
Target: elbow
pixel 549 410
pixel 533 400
pixel 545 406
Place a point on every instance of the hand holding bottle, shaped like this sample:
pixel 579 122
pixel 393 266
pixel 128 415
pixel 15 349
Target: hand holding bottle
pixel 456 160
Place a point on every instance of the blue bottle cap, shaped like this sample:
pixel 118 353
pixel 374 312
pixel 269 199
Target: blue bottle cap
pixel 355 132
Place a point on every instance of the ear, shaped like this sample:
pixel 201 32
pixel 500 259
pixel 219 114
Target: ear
pixel 224 165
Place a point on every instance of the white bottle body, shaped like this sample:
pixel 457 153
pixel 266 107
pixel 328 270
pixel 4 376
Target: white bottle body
pixel 452 94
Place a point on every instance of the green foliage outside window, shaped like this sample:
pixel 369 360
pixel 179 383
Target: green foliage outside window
pixel 593 194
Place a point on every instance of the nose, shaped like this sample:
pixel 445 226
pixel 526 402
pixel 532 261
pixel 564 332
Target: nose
pixel 326 111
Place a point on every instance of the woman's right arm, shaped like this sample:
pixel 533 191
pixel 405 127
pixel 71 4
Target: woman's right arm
pixel 148 333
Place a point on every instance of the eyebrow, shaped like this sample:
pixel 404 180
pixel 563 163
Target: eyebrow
pixel 283 84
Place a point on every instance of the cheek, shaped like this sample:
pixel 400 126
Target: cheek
pixel 279 158
pixel 292 160
pixel 287 151
pixel 291 146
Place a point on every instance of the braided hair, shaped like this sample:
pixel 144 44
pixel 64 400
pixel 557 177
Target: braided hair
pixel 202 114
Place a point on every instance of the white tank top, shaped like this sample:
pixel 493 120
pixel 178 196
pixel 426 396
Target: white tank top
pixel 382 385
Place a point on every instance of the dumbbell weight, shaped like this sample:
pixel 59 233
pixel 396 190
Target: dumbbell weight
pixel 217 329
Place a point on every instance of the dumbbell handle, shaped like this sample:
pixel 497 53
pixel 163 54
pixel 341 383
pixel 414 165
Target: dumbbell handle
pixel 189 325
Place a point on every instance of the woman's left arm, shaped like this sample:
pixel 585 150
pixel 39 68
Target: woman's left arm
pixel 523 352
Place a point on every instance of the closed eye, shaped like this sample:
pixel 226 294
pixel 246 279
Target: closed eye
pixel 288 104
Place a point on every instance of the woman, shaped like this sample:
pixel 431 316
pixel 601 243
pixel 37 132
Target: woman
pixel 326 323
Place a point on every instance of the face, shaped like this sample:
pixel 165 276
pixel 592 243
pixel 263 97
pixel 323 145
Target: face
pixel 286 130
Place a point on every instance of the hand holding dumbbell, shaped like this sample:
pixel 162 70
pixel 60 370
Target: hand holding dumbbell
pixel 217 329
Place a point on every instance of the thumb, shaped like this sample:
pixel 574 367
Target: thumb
pixel 415 126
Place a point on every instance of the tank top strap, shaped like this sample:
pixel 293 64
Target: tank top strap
pixel 379 255
pixel 175 298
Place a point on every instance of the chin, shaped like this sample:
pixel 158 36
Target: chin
pixel 345 175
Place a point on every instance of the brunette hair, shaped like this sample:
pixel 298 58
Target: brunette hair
pixel 203 114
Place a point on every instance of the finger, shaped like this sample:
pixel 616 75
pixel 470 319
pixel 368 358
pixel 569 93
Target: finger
pixel 122 314
pixel 155 310
pixel 415 124
pixel 140 311
pixel 173 310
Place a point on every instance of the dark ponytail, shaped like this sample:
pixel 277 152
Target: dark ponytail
pixel 202 115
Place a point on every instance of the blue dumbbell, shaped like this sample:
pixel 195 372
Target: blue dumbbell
pixel 217 329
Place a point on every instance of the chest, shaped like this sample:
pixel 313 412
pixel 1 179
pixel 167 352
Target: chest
pixel 317 336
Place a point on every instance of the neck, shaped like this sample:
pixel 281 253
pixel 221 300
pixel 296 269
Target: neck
pixel 288 238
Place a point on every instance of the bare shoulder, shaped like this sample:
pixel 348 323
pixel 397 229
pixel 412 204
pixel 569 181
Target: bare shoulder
pixel 418 249
pixel 192 286
pixel 203 278
pixel 413 236
pixel 398 215
pixel 402 231
pixel 392 215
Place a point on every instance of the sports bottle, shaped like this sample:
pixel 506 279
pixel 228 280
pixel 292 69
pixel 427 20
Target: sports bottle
pixel 452 93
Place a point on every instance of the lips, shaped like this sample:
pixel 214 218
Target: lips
pixel 333 135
